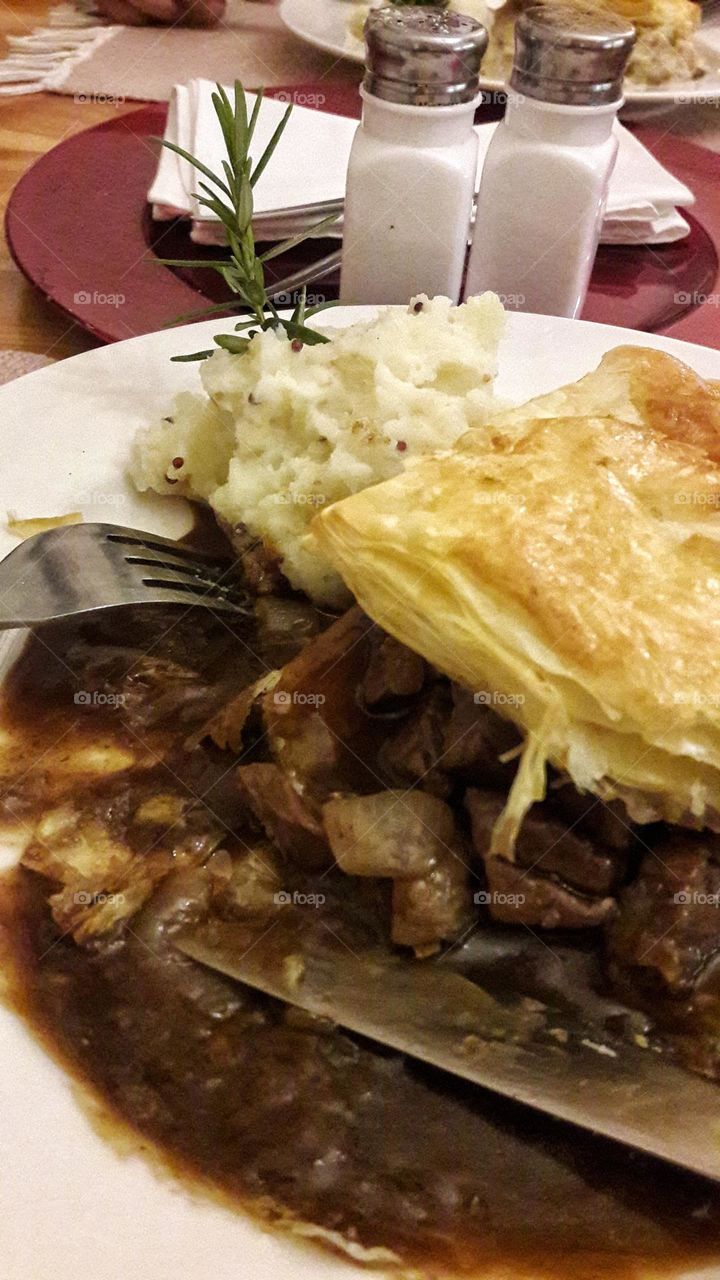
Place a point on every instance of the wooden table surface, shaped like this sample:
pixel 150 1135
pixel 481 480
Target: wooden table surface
pixel 29 126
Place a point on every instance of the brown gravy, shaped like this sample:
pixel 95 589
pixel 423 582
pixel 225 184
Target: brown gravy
pixel 272 1107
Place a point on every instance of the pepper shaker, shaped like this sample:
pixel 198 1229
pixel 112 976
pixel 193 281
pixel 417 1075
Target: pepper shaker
pixel 413 165
pixel 545 180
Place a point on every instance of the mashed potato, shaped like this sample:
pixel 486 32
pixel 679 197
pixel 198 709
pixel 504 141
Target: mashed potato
pixel 281 433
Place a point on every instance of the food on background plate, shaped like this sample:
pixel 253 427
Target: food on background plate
pixel 512 727
pixel 665 49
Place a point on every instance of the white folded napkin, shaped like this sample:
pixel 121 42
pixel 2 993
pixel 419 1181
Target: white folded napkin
pixel 310 164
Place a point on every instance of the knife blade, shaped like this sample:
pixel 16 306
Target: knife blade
pixel 544 1053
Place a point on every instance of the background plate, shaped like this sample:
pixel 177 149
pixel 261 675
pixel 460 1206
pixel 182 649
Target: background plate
pixel 94 256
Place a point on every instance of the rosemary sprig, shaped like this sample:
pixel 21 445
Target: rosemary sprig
pixel 230 198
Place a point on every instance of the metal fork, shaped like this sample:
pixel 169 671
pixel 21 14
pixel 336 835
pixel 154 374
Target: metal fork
pixel 310 274
pixel 83 568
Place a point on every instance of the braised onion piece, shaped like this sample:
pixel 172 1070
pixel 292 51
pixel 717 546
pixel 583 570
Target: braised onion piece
pixel 409 837
pixel 388 834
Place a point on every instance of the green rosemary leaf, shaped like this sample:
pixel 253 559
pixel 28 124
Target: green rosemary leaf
pixel 230 178
pixel 242 130
pixel 298 315
pixel 267 154
pixel 197 164
pixel 226 216
pixel 244 205
pixel 255 113
pixel 245 324
pixel 320 306
pixel 235 283
pixel 193 264
pixel 218 308
pixel 310 337
pixel 214 202
pixel 197 355
pixel 300 238
pixel 225 116
pixel 230 342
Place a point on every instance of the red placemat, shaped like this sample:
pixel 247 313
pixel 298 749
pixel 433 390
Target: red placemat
pixel 79 228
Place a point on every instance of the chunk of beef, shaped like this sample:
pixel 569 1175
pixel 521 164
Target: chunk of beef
pixel 663 948
pixel 228 726
pixel 414 752
pixel 316 731
pixel 393 672
pixel 389 834
pixel 284 627
pixel 475 737
pixel 517 896
pixel 260 564
pixel 284 816
pixel 432 908
pixel 545 845
pixel 558 879
pixel 604 823
pixel 667 931
pixel 152 690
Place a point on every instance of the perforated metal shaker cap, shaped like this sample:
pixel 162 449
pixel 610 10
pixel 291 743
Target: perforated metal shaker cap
pixel 571 54
pixel 423 56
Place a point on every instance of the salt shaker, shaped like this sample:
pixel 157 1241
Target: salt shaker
pixel 413 165
pixel 545 180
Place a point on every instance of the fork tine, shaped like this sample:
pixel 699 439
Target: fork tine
pixel 194 593
pixel 164 546
pixel 179 567
pixel 161 573
pixel 316 271
pixel 186 568
pixel 86 568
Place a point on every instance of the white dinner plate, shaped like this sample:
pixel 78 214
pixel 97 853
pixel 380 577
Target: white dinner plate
pixel 70 1205
pixel 324 24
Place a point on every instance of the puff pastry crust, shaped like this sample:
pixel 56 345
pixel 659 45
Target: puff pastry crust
pixel 565 562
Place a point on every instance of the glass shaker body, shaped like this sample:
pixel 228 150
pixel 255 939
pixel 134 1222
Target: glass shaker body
pixel 408 204
pixel 541 204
